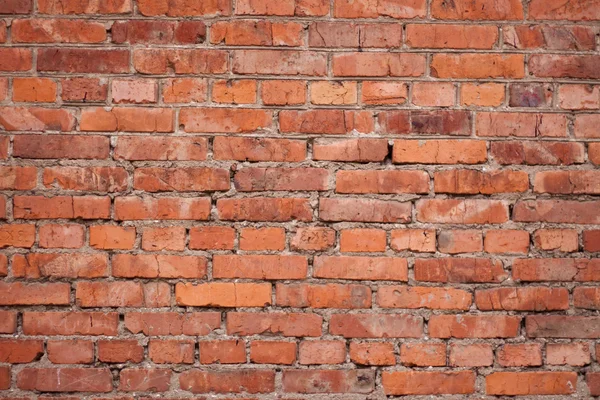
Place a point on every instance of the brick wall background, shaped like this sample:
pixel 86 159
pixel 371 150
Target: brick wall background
pixel 298 198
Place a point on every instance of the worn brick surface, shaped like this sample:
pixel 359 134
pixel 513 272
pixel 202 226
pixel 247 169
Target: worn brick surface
pixel 299 199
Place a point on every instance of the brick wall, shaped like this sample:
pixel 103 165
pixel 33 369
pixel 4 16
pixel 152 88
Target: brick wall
pixel 299 198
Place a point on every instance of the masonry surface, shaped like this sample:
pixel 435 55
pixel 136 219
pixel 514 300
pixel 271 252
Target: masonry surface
pixel 299 199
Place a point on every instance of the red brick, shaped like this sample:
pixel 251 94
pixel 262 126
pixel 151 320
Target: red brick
pixel 428 152
pixel 72 207
pixel 423 297
pixel 328 381
pixel 471 355
pixel 5 378
pixel 580 212
pixel 168 238
pixel 18 293
pixel 382 93
pixel 523 299
pixel 93 179
pixel 77 60
pixel 482 94
pixel 61 146
pixel 179 61
pixel 556 269
pixel 562 326
pixel 362 240
pixel 158 32
pixel 38 90
pixel 158 266
pixel 591 240
pixel 554 9
pixel 364 9
pixel 454 211
pixel 463 270
pixel 171 351
pixel 564 66
pixel 163 208
pixel 184 90
pixel 260 266
pixel 283 93
pixel 530 383
pixel 120 351
pixel 212 238
pixel 323 296
pixel 57 31
pixel 277 323
pixel 364 210
pixel 74 351
pixel 272 352
pixel 579 97
pixel 361 268
pixel 238 120
pixel 434 94
pixel 66 7
pixel 378 64
pixel 258 149
pixel 423 354
pixel 421 382
pixel 593 382
pixel 376 325
pixel 322 352
pixel 173 323
pixel 313 238
pixel 357 150
pixel 36 119
pixel 285 179
pixel 60 265
pixel 127 119
pixel 223 352
pixel 19 351
pixel 505 241
pixel 372 353
pixel 70 323
pixel 566 240
pixel 460 241
pixel 532 95
pixel 161 148
pixel 264 209
pixel 256 33
pixel 417 240
pixel 65 380
pixel 223 294
pixel 333 93
pixel 16 7
pixel 342 34
pixel 468 181
pixel 241 380
pixel 144 380
pixel 83 90
pixel 335 122
pixel 183 8
pixel 282 8
pixel 17 235
pixel 474 326
pixel 8 322
pixel 552 37
pixel 123 294
pixel 15 59
pixel 279 62
pixel 478 66
pixel 520 125
pixel 268 238
pixel 112 237
pixel 181 179
pixel 477 10
pixel 520 355
pixel 444 36
pixel 574 354
pixel 382 181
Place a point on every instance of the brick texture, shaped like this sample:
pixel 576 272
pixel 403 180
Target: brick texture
pixel 299 199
